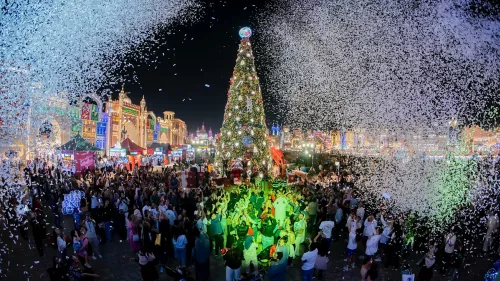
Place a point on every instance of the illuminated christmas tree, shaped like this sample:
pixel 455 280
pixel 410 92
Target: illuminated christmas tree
pixel 243 136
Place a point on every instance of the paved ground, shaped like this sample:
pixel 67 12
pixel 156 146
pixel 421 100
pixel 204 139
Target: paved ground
pixel 20 261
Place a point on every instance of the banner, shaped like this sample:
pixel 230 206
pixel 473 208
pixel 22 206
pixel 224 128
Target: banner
pixel 95 113
pixel 84 160
pixel 86 109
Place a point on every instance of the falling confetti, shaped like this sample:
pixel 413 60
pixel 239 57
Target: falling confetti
pixel 378 65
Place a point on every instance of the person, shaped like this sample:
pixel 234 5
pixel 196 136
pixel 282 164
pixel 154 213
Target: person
pixel 372 244
pixel 133 236
pixel 267 232
pixel 369 230
pixel 233 259
pixel 61 243
pixel 91 235
pixel 277 270
pixel 493 224
pixel 312 210
pixel 38 227
pixel 77 274
pixel 449 247
pixel 148 269
pixel 352 246
pixel 58 271
pixel 321 264
pixel 308 262
pixel 367 263
pixel 217 232
pixel 426 271
pixel 200 255
pixel 250 255
pixel 80 244
pixel 300 234
pixel 107 217
pixel 326 227
pixel 179 241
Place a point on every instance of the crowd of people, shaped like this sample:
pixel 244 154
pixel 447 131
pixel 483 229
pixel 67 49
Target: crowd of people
pixel 269 226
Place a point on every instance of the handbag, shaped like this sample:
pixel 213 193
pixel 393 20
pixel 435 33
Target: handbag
pixel 158 239
pixel 135 237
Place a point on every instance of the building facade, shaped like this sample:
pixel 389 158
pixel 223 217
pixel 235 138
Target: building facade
pixel 143 127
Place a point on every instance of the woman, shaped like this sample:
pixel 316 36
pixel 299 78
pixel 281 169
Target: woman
pixel 77 274
pixel 250 254
pixel 61 243
pixel 179 241
pixel 425 273
pixel 58 272
pixel 134 238
pixel 81 250
pixel 148 269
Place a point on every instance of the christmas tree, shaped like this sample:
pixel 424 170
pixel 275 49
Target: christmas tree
pixel 243 136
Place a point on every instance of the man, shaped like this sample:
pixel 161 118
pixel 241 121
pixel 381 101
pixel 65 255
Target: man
pixel 280 205
pixel 308 262
pixel 268 228
pixel 277 270
pixel 300 232
pixel 313 212
pixel 201 253
pixel 90 224
pixel 372 244
pixel 217 231
pixel 326 227
pixel 38 227
pixel 369 230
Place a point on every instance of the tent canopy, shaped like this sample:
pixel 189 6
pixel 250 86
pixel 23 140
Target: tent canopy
pixel 131 146
pixel 77 143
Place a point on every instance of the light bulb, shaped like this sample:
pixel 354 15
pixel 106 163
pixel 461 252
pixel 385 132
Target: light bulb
pixel 251 120
pixel 253 92
pixel 230 114
pixel 240 132
pixel 248 55
pixel 237 144
pixel 237 107
pixel 238 118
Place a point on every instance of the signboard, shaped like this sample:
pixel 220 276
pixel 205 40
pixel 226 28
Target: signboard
pixel 150 151
pixel 84 160
pixel 133 152
pixel 118 152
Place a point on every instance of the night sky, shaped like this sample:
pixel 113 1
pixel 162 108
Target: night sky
pixel 208 58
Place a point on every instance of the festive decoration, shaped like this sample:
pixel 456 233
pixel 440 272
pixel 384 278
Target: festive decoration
pixel 246 32
pixel 243 124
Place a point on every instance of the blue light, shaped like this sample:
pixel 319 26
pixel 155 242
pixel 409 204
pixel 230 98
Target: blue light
pixel 245 32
